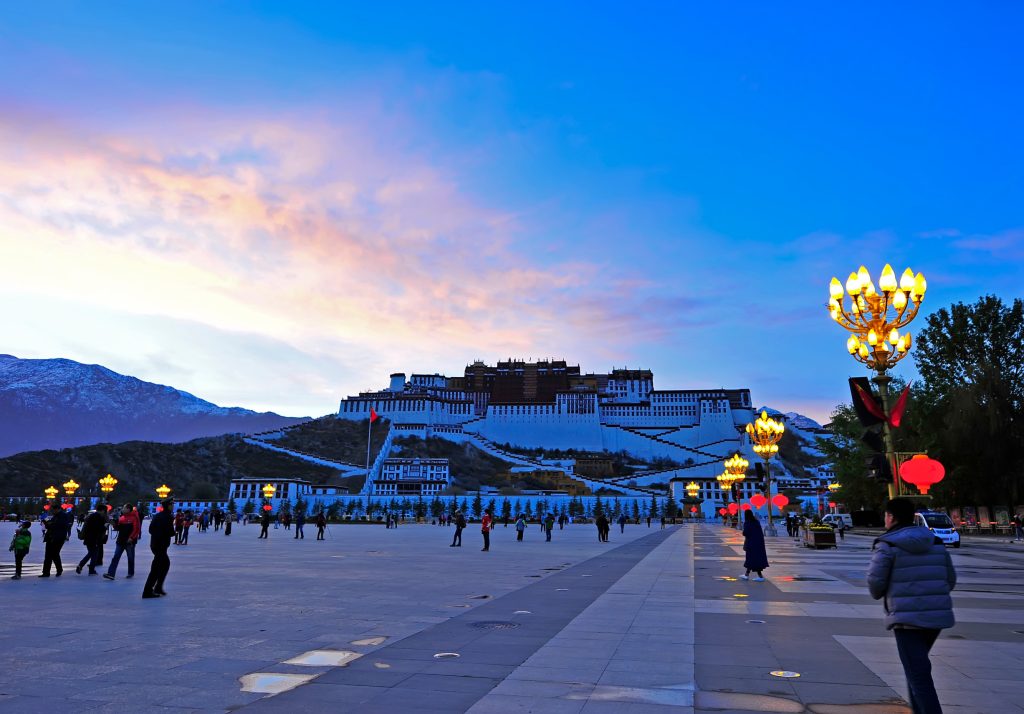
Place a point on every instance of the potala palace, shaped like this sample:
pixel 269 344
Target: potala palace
pixel 552 405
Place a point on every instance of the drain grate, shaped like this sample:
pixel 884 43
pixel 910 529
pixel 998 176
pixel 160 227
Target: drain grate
pixel 494 625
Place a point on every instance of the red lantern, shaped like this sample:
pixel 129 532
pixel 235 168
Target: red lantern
pixel 758 501
pixel 922 472
pixel 159 509
pixel 693 509
pixel 831 504
pixel 46 507
pixel 780 500
pixel 745 506
pixel 722 511
pixel 268 507
pixel 67 506
pixel 109 508
pixel 733 508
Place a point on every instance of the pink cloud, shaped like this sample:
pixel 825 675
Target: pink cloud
pixel 319 224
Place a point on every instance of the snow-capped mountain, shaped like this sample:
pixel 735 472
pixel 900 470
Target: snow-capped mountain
pixel 57 403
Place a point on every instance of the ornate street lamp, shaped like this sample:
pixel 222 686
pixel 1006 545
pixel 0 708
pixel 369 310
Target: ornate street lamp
pixel 874 318
pixel 692 489
pixel 51 492
pixel 70 487
pixel 268 491
pixel 765 434
pixel 107 483
pixel 163 492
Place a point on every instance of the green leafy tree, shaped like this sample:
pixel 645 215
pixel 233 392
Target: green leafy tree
pixel 636 510
pixel 300 507
pixel 350 507
pixel 598 507
pixel 232 506
pixel 970 415
pixel 528 510
pixel 436 507
pixel 419 509
pixel 671 508
pixel 491 506
pixel 334 510
pixel 654 507
pixel 616 509
pixel 249 508
pixel 506 509
pixel 478 505
pixel 848 456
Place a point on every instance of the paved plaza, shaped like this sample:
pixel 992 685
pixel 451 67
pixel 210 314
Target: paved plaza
pixel 374 620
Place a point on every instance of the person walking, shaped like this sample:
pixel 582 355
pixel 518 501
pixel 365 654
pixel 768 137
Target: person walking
pixel 460 523
pixel 55 534
pixel 911 569
pixel 20 544
pixel 228 518
pixel 93 535
pixel 1018 526
pixel 622 523
pixel 602 528
pixel 161 530
pixel 486 525
pixel 321 523
pixel 129 529
pixel 264 524
pixel 756 559
pixel 300 521
pixel 549 525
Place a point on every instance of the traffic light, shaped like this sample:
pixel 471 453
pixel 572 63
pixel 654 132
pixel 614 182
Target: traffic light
pixel 878 468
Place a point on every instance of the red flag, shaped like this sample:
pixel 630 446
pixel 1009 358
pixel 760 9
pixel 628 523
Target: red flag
pixel 374 416
pixel 869 403
pixel 896 416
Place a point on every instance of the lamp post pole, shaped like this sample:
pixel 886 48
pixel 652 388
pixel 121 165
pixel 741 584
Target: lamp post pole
pixel 766 433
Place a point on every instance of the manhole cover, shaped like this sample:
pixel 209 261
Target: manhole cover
pixel 446 655
pixel 494 625
pixel 522 612
pixel 784 673
pixel 561 590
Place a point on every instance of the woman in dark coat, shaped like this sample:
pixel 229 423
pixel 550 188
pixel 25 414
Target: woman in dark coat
pixel 94 534
pixel 753 545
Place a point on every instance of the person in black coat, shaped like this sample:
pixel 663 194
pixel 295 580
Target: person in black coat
pixel 94 534
pixel 55 535
pixel 161 531
pixel 753 545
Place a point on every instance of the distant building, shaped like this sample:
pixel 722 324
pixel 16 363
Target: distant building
pixel 412 477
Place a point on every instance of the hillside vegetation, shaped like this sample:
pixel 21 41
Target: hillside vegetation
pixel 335 439
pixel 200 469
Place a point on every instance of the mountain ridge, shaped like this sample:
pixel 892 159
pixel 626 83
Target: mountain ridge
pixel 60 403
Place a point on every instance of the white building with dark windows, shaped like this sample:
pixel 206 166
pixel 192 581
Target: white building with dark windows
pixel 412 477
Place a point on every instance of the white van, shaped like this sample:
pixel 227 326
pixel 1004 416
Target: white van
pixel 834 519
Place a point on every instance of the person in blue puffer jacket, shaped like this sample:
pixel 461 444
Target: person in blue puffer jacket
pixel 912 571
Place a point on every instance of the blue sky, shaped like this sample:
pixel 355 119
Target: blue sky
pixel 338 193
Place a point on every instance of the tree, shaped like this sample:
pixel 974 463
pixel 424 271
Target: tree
pixel 636 510
pixel 971 408
pixel 285 508
pixel 232 506
pixel 478 505
pixel 848 456
pixel 420 508
pixel 598 506
pixel 350 507
pixel 506 509
pixel 490 507
pixel 300 507
pixel 528 511
pixel 671 508
pixel 335 508
pixel 249 507
pixel 654 507
pixel 436 507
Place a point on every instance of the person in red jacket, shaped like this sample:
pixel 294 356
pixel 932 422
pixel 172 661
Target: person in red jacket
pixel 129 528
pixel 485 530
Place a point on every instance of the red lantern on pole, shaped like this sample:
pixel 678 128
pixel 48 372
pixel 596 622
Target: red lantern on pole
pixel 46 507
pixel 758 501
pixel 693 509
pixel 267 507
pixel 779 500
pixel 922 472
pixel 831 504
pixel 733 509
pixel 745 506
pixel 722 511
pixel 159 509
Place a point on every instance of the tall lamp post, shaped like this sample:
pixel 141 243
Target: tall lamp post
pixel 692 489
pixel 162 492
pixel 51 492
pixel 735 470
pixel 874 318
pixel 765 434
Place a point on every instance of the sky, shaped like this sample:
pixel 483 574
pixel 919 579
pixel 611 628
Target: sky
pixel 274 205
